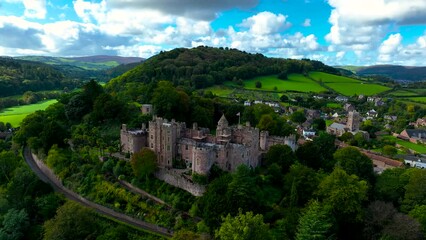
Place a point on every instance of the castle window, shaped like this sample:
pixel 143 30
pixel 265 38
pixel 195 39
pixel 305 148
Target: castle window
pixel 186 147
pixel 168 147
pixel 152 136
pixel 152 145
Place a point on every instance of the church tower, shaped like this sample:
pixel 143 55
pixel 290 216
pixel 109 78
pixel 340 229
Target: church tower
pixel 353 121
pixel 223 132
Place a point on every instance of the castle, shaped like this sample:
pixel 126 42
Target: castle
pixel 229 148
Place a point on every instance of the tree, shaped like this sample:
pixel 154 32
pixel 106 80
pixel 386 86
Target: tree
pixel 343 194
pixel 242 190
pixel 383 221
pixel 15 223
pixel 318 154
pixel 298 117
pixel 267 123
pixel 144 163
pixel 389 150
pixel 283 155
pixel 319 124
pixel 390 185
pixel 415 190
pixel 243 227
pixel 419 213
pixel 314 223
pixel 284 98
pixel 353 161
pixel 258 84
pixel 72 221
pixel 8 163
pixel 304 179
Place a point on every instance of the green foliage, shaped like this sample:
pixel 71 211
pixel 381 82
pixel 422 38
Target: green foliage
pixel 353 161
pixel 169 102
pixel 319 124
pixel 282 155
pixel 415 191
pixel 8 163
pixel 383 221
pixel 343 195
pixel 243 227
pixel 314 223
pixel 258 84
pixel 200 179
pixel 419 213
pixel 305 181
pixel 71 222
pixel 318 154
pixel 19 76
pixel 298 117
pixel 15 223
pixel 390 185
pixel 389 150
pixel 144 163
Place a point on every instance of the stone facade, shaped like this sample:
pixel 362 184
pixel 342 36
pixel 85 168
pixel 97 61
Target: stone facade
pixel 229 148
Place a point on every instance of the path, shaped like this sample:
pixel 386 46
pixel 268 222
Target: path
pixel 46 175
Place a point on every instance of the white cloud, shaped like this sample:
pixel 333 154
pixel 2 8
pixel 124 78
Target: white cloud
pixel 265 23
pixel 361 25
pixel 307 23
pixel 35 8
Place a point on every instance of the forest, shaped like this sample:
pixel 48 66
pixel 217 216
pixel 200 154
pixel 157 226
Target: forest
pixel 317 192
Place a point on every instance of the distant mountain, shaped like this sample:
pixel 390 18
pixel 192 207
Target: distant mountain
pixel 394 72
pixel 106 58
pixel 19 76
pixel 92 63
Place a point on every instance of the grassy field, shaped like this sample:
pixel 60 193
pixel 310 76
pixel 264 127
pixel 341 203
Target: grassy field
pixel 418 99
pixel 15 115
pixel 416 147
pixel 403 93
pixel 295 82
pixel 348 86
pixel 334 105
pixel 221 91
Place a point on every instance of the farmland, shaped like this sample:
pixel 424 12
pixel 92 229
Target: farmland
pixel 15 115
pixel 347 86
pixel 418 99
pixel 295 82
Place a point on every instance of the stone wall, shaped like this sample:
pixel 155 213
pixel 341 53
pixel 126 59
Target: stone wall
pixel 176 179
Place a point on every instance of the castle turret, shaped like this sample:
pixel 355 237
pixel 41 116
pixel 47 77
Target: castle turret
pixel 223 132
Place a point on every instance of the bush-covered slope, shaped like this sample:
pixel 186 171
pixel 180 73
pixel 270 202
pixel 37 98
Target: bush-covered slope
pixel 205 66
pixel 18 76
pixel 395 72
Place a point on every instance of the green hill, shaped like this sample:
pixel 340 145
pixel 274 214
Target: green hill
pixel 348 86
pixel 203 67
pixel 19 76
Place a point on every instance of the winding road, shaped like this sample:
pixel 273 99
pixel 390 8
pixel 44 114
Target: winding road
pixel 46 175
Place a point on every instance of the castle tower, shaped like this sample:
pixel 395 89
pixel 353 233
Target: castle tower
pixel 353 121
pixel 223 132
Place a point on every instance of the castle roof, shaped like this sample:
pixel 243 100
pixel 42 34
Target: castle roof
pixel 222 121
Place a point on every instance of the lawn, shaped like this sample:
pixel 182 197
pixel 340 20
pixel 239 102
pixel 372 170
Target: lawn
pixel 334 105
pixel 416 147
pixel 221 91
pixel 403 93
pixel 418 99
pixel 295 82
pixel 15 115
pixel 348 86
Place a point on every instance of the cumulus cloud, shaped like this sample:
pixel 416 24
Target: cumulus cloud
pixel 265 23
pixel 194 9
pixel 361 25
pixel 35 8
pixel 307 23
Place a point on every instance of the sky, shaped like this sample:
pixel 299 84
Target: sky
pixel 337 32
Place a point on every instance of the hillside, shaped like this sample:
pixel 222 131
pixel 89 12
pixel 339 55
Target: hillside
pixel 394 72
pixel 91 63
pixel 19 76
pixel 202 67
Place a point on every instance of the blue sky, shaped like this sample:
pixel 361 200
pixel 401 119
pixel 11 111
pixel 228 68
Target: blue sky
pixel 337 32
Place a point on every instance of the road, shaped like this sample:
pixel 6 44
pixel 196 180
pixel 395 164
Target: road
pixel 46 175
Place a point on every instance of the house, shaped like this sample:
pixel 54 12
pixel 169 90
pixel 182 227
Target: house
pixel 378 102
pixel 414 161
pixel 390 118
pixel 413 135
pixel 308 133
pixel 349 107
pixel 247 103
pixel 421 122
pixel 341 99
pixel 371 99
pixel 372 114
pixel 312 114
pixel 337 129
